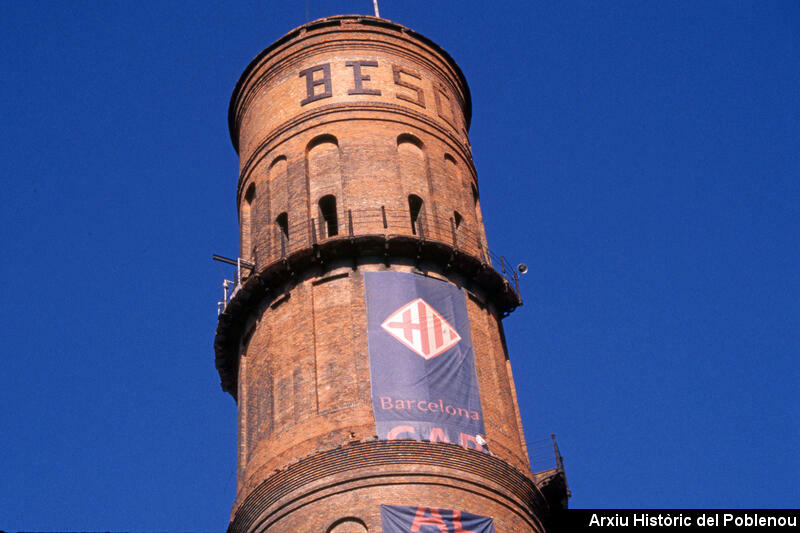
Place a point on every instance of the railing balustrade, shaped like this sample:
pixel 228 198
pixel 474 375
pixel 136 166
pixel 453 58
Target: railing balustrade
pixel 310 232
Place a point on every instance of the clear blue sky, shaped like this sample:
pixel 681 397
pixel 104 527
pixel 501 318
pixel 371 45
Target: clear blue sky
pixel 640 157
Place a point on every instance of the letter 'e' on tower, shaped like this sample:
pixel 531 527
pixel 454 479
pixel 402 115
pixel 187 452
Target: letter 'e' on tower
pixel 363 341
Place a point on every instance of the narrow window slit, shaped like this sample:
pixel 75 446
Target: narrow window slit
pixel 327 211
pixel 414 209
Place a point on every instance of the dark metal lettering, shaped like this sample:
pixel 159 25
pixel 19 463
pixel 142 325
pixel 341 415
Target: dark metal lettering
pixel 359 78
pixel 397 70
pixel 311 83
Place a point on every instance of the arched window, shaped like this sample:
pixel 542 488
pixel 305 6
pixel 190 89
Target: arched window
pixel 451 167
pixel 322 163
pixel 348 525
pixel 247 222
pixel 479 231
pixel 414 210
pixel 457 218
pixel 278 167
pixel 412 164
pixel 477 203
pixel 407 138
pixel 327 212
pixel 282 221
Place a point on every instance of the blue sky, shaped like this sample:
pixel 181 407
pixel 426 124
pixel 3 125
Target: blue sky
pixel 640 157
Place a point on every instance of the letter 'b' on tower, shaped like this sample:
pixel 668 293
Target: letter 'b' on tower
pixel 364 348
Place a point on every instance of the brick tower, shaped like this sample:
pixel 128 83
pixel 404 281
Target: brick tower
pixel 363 343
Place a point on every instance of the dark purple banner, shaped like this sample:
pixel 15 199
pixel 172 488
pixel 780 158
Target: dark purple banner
pixel 421 362
pixel 421 519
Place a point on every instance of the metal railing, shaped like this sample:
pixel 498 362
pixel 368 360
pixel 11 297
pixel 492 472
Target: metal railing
pixel 227 294
pixel 277 241
pixel 544 455
pixel 282 241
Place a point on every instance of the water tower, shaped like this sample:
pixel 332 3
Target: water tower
pixel 363 340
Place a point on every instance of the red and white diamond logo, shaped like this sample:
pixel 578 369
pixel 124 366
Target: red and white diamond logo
pixel 421 328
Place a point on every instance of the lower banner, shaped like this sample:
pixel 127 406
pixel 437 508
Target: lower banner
pixel 422 367
pixel 413 519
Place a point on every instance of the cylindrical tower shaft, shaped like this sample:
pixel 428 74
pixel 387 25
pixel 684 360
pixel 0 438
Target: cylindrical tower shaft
pixel 365 349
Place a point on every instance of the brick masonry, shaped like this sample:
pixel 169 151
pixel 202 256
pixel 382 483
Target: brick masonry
pixel 371 114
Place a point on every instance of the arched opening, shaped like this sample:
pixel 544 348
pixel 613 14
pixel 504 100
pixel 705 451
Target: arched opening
pixel 322 139
pixel 282 222
pixel 415 210
pixel 479 231
pixel 322 160
pixel 322 163
pixel 411 160
pixel 275 199
pixel 408 138
pixel 324 180
pixel 348 525
pixel 477 202
pixel 412 166
pixel 457 218
pixel 327 211
pixel 247 222
pixel 277 167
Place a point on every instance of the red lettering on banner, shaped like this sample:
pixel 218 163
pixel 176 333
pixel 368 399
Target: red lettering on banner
pixel 467 440
pixel 438 435
pixel 458 528
pixel 432 406
pixel 397 430
pixel 435 519
pixel 386 402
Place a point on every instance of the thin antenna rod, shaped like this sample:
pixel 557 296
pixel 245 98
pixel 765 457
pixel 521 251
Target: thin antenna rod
pixel 377 13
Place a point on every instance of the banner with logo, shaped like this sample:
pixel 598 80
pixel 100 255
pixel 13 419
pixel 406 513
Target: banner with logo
pixel 407 519
pixel 421 362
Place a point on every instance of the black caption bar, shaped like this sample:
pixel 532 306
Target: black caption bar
pixel 684 520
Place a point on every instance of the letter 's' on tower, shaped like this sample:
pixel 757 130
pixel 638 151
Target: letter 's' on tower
pixel 365 348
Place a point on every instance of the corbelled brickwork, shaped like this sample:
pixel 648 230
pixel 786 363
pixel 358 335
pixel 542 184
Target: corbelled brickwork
pixel 354 157
pixel 391 472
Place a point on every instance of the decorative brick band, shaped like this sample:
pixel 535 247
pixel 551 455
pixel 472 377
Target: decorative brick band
pixel 371 463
